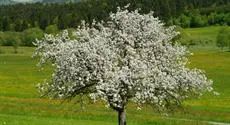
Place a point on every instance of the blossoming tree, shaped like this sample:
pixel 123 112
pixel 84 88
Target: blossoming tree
pixel 130 57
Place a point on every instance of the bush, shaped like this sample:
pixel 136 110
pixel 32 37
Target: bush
pixel 227 19
pixel 223 38
pixel 184 21
pixel 52 29
pixel 11 38
pixel 197 20
pixel 71 33
pixel 183 38
pixel 30 35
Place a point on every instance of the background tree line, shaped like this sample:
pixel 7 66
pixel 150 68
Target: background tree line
pixel 30 20
pixel 23 16
pixel 199 18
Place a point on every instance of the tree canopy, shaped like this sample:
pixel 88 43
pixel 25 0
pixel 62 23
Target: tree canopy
pixel 128 58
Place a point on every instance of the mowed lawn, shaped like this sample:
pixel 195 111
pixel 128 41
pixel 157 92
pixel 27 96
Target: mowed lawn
pixel 20 103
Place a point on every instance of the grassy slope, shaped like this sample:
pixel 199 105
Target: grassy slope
pixel 209 107
pixel 206 33
pixel 20 103
pixel 206 36
pixel 216 65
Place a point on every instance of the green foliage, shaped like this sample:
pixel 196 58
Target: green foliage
pixel 52 29
pixel 20 25
pixel 70 32
pixel 12 38
pixel 212 18
pixel 5 23
pixel 194 18
pixel 183 37
pixel 186 13
pixel 25 38
pixel 227 19
pixel 223 38
pixel 30 35
pixel 185 21
pixel 197 20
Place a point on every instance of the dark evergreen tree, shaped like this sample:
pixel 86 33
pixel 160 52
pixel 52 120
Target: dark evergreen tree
pixel 6 24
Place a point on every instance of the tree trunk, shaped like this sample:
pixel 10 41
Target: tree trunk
pixel 122 117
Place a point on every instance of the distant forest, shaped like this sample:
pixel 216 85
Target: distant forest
pixel 185 13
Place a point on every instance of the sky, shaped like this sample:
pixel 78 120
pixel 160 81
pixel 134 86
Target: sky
pixel 23 0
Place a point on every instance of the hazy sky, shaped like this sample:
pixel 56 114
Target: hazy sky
pixel 23 0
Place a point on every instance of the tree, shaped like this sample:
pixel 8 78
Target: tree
pixel 212 18
pixel 25 25
pixel 165 10
pixel 12 39
pixel 61 22
pixel 227 19
pixel 30 36
pixel 18 25
pixel 185 21
pixel 223 38
pixel 196 19
pixel 130 57
pixel 6 24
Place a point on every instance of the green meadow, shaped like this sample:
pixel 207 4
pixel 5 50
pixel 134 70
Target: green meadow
pixel 205 35
pixel 20 102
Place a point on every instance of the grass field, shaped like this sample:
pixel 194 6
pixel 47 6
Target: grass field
pixel 20 103
pixel 206 35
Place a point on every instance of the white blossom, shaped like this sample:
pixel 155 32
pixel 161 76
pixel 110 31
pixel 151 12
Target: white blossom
pixel 128 58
